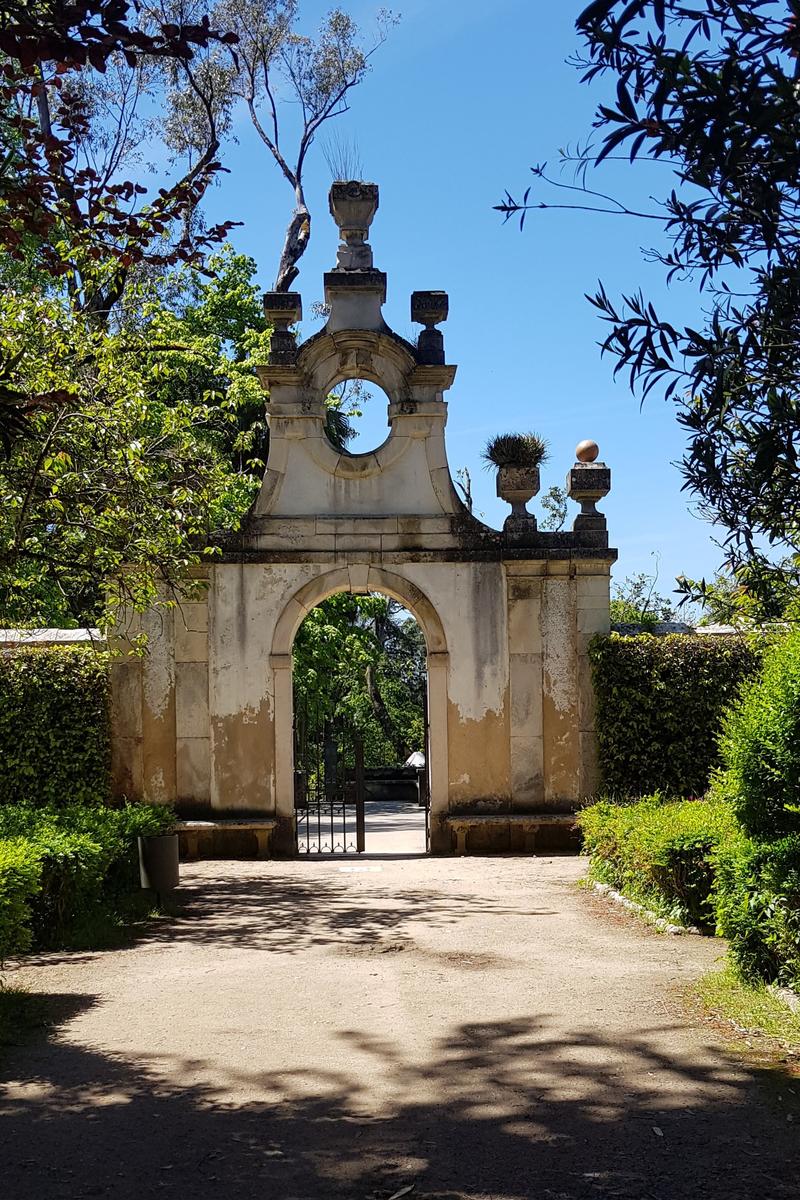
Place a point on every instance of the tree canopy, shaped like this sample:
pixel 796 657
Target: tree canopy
pixel 710 90
pixel 363 657
pixel 140 443
pixel 132 425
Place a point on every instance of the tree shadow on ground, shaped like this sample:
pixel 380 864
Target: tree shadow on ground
pixel 502 1110
pixel 268 910
pixel 290 914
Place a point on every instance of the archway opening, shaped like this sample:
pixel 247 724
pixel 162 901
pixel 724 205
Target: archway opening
pixel 358 419
pixel 360 737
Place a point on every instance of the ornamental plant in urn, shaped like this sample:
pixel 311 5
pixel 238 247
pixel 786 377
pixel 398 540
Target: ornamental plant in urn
pixel 517 457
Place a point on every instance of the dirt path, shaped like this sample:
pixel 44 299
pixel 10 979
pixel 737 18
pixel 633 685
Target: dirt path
pixel 473 1027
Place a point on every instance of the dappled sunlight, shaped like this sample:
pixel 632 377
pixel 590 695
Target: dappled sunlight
pixel 495 1106
pixel 291 913
pixel 478 1029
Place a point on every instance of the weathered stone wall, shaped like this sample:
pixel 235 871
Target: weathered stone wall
pixel 204 719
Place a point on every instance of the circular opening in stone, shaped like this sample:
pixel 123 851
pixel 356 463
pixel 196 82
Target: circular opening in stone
pixel 357 416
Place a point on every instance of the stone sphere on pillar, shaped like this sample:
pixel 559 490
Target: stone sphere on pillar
pixel 587 452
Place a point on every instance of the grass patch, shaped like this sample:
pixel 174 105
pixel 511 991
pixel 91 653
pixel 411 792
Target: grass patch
pixel 750 1008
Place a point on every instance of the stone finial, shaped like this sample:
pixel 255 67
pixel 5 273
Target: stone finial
pixel 353 206
pixel 282 309
pixel 430 309
pixel 587 451
pixel 588 482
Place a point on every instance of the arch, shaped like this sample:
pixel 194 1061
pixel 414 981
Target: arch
pixel 383 358
pixel 359 579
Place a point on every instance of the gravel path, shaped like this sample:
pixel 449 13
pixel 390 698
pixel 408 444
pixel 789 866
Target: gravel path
pixel 474 1028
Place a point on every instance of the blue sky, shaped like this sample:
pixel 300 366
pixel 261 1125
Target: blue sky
pixel 463 98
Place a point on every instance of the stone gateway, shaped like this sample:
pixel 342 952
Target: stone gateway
pixel 204 719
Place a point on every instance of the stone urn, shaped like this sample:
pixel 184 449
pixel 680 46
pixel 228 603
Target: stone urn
pixel 353 206
pixel 518 485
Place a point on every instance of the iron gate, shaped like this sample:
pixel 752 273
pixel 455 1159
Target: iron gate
pixel 328 785
pixel 424 776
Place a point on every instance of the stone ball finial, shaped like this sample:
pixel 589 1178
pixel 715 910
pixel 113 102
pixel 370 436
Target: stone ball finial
pixel 587 451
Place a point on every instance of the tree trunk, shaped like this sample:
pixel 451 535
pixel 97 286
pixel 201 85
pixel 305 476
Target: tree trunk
pixel 294 246
pixel 384 720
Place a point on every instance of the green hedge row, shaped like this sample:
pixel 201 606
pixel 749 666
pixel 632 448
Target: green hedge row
pixel 760 747
pixel 758 908
pixel 689 860
pixel 660 703
pixel 661 854
pixel 54 725
pixel 60 867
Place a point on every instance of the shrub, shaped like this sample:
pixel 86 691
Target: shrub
pixel 20 878
pixel 79 863
pixel 60 749
pixel 515 450
pixel 660 853
pixel 760 746
pixel 660 703
pixel 758 908
pixel 73 867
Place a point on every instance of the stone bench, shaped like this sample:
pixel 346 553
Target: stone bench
pixel 527 833
pixel 207 839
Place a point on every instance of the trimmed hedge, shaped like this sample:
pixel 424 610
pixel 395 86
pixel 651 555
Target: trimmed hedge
pixel 660 703
pixel 54 725
pixel 61 866
pixel 20 879
pixel 758 909
pixel 760 746
pixel 661 853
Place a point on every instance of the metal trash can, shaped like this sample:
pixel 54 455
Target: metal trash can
pixel 158 862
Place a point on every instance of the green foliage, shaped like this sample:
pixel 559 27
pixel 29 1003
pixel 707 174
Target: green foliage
pixel 20 879
pixel 751 1007
pixel 636 602
pixel 64 866
pixel 660 703
pixel 660 853
pixel 142 440
pixel 726 600
pixel 196 337
pixel 760 746
pixel 707 90
pixel 22 1013
pixel 362 659
pixel 515 450
pixel 54 725
pixel 758 908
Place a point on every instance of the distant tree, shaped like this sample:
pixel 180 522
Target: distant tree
pixel 363 657
pixel 273 69
pixel 709 88
pixel 636 602
pixel 554 503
